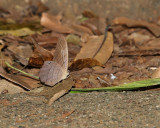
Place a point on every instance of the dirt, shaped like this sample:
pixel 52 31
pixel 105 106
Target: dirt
pixel 97 109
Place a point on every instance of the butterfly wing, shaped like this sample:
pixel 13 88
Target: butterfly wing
pixel 50 73
pixel 61 54
pixel 54 71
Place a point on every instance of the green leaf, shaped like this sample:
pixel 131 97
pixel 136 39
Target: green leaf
pixel 123 87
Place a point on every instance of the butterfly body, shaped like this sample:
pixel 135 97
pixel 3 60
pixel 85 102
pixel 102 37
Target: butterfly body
pixel 54 71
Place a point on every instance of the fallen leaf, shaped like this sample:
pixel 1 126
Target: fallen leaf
pixel 156 74
pixel 82 71
pixel 92 24
pixel 93 80
pixel 14 79
pixel 33 83
pixel 80 30
pixel 97 49
pixel 47 41
pixel 124 87
pixel 21 52
pixel 89 14
pixel 153 44
pixel 55 92
pixel 9 87
pixel 84 63
pixel 18 32
pixel 41 8
pixel 155 29
pixel 3 57
pixel 105 52
pixel 53 23
pixel 139 38
pixel 39 56
pixel 73 39
pixel 138 53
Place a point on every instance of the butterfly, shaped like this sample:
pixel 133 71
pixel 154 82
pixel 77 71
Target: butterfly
pixel 54 71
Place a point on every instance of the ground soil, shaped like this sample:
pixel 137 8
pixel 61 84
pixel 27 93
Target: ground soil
pixel 88 110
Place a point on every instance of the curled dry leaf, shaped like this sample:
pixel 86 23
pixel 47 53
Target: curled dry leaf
pixel 84 63
pixel 97 49
pixel 39 56
pixel 53 23
pixel 55 92
pixel 155 29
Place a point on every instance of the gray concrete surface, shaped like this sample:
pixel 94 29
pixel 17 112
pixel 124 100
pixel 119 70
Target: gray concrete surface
pixel 91 110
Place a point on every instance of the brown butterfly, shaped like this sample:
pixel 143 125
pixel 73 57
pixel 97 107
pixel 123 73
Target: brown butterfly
pixel 54 71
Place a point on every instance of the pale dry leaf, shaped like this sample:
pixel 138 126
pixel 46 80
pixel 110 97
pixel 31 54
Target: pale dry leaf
pixel 105 52
pixel 53 23
pixel 97 49
pixel 9 87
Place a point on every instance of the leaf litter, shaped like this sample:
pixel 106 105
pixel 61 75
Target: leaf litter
pixel 99 59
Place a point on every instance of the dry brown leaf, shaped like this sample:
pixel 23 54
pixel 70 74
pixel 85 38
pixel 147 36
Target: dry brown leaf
pixel 33 83
pixel 53 23
pixel 84 63
pixel 155 29
pixel 3 58
pixel 14 79
pixel 47 41
pixel 92 24
pixel 94 81
pixel 39 56
pixel 21 52
pixel 138 53
pixel 55 92
pixel 80 30
pixel 105 52
pixel 97 49
pixel 41 7
pixel 80 72
pixel 151 45
pixel 89 14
